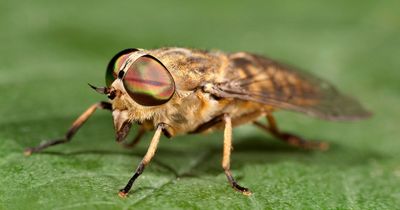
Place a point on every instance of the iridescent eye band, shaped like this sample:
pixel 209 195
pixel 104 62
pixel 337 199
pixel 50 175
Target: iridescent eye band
pixel 148 81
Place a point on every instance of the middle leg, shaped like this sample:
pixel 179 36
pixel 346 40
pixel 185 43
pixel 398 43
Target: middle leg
pixel 226 158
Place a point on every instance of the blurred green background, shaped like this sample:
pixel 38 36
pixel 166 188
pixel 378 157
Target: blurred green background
pixel 50 50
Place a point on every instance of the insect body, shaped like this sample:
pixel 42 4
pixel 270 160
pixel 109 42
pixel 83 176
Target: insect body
pixel 178 91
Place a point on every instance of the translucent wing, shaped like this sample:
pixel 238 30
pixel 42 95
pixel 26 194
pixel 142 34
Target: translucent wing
pixel 256 78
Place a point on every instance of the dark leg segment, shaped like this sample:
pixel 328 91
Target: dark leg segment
pixel 74 128
pixel 289 138
pixel 226 158
pixel 137 138
pixel 145 161
pixel 139 170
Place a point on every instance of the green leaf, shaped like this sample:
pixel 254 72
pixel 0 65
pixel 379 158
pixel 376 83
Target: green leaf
pixel 50 50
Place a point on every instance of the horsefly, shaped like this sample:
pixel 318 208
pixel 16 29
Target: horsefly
pixel 174 91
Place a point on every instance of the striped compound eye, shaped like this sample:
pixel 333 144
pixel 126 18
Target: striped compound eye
pixel 148 82
pixel 115 64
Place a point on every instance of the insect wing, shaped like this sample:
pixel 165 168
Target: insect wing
pixel 255 78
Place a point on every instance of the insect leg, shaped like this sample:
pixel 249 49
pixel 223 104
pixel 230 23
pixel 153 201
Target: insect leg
pixel 137 138
pixel 226 158
pixel 145 161
pixel 289 138
pixel 73 129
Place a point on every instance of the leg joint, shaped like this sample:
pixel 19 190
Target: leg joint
pixel 140 168
pixel 104 105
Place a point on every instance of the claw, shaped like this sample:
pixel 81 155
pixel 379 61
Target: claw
pixel 122 194
pixel 323 146
pixel 28 152
pixel 247 193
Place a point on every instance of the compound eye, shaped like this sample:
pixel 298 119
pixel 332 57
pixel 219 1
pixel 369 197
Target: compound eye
pixel 115 64
pixel 148 82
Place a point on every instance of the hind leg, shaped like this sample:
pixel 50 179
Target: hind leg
pixel 289 138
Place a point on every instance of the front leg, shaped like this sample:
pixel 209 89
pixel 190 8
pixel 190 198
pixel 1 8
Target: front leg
pixel 74 128
pixel 145 161
pixel 226 158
